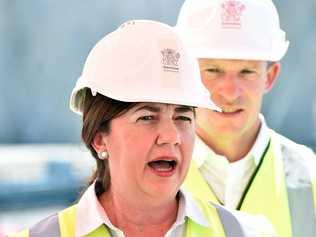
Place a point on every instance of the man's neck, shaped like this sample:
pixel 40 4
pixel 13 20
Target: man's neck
pixel 234 148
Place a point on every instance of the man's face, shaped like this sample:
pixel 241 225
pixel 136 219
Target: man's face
pixel 237 87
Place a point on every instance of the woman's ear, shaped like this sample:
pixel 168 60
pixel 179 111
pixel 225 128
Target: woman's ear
pixel 98 143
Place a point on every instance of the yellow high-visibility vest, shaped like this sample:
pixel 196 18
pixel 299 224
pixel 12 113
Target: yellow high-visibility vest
pixel 222 224
pixel 291 209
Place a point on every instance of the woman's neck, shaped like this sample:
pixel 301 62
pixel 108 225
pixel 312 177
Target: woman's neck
pixel 139 218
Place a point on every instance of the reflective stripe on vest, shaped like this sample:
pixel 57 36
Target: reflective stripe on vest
pixel 223 224
pixel 48 225
pixel 269 195
pixel 301 192
pixel 234 228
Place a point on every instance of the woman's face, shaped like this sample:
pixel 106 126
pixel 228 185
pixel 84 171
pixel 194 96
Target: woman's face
pixel 150 148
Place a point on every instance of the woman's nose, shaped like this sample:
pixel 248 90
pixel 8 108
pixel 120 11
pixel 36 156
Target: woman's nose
pixel 168 133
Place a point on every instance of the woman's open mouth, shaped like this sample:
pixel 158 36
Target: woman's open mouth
pixel 164 168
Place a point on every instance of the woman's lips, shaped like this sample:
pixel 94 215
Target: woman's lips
pixel 163 167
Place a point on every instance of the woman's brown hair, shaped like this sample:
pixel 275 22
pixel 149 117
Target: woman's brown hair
pixel 98 111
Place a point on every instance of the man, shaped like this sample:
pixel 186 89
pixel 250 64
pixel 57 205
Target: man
pixel 239 161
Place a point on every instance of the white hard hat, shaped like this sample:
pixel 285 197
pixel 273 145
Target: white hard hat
pixel 142 61
pixel 232 29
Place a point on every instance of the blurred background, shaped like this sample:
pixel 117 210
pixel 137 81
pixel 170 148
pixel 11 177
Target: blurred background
pixel 43 45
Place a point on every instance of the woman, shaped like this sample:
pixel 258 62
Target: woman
pixel 137 94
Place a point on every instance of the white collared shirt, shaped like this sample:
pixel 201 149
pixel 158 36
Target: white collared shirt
pixel 90 215
pixel 229 180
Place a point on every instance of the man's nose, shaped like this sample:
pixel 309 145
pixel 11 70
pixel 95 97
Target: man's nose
pixel 230 88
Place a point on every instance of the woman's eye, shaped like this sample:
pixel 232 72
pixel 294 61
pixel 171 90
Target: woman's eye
pixel 146 118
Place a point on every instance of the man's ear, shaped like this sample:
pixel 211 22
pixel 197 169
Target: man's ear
pixel 98 142
pixel 272 74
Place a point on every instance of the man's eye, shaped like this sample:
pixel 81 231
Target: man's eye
pixel 247 71
pixel 146 118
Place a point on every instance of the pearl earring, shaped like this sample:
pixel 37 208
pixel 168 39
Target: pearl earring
pixel 103 155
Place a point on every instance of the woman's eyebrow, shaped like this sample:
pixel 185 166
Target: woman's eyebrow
pixel 156 109
pixel 149 108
